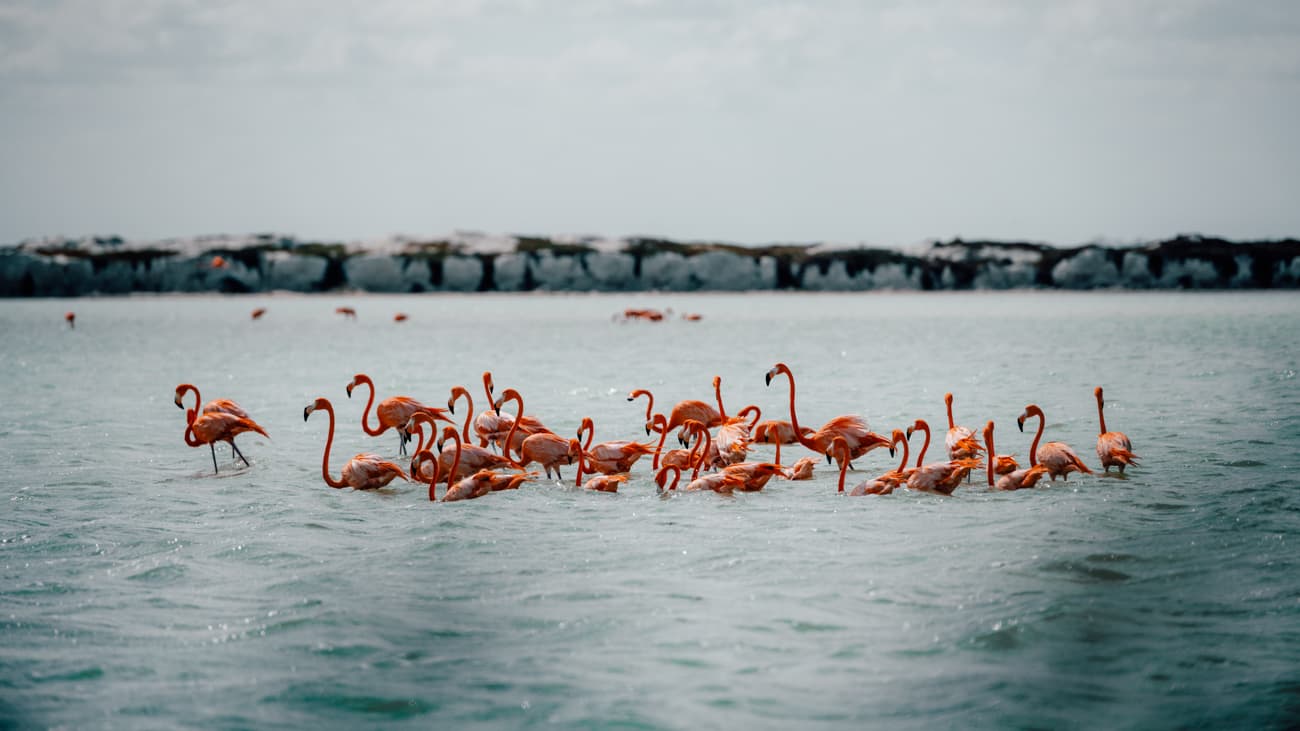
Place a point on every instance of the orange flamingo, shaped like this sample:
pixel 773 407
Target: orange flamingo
pixel 472 457
pixel 1015 479
pixel 469 487
pixel 753 475
pixel 649 407
pixel 218 426
pixel 802 469
pixel 493 427
pixel 362 472
pixel 960 440
pixel 661 477
pixel 884 484
pixel 699 411
pixel 850 426
pixel 732 438
pixel 700 448
pixel 774 431
pixel 608 458
pixel 1059 459
pixel 215 405
pixel 393 412
pixel 71 319
pixel 547 449
pixel 940 478
pixel 218 262
pixel 421 458
pixel 347 312
pixel 258 312
pixel 399 317
pixel 1113 447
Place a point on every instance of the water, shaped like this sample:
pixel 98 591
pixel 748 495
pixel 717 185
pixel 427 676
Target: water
pixel 140 591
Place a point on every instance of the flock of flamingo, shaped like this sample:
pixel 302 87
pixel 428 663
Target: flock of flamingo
pixel 714 447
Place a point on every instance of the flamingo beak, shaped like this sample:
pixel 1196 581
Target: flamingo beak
pixel 349 390
pixel 909 432
pixel 767 380
pixel 178 403
pixel 891 450
pixel 306 412
pixel 1020 422
pixel 828 457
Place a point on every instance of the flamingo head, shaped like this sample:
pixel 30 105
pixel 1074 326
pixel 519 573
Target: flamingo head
pixel 574 451
pixel 448 432
pixel 356 380
pixel 778 368
pixel 1096 392
pixel 319 403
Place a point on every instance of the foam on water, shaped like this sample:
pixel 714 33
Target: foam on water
pixel 141 591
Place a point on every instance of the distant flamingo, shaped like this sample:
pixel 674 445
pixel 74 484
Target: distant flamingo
pixel 801 469
pixel 850 426
pixel 1015 479
pixel 71 319
pixel 960 440
pixel 393 412
pixel 218 426
pixel 347 312
pixel 1113 447
pixel 547 449
pixel 1059 459
pixel 940 478
pixel 218 263
pixel 609 458
pixel 399 317
pixel 776 432
pixel 257 313
pixel 364 471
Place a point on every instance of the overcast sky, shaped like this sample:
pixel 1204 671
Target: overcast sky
pixel 747 121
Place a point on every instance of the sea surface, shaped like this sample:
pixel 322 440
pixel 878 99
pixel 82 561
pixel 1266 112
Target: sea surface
pixel 138 590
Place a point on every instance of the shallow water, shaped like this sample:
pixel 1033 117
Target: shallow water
pixel 140 591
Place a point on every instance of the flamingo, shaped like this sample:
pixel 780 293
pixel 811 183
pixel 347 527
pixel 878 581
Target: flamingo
pixel 649 407
pixel 702 439
pixel 1015 479
pixel 699 411
pixel 364 471
pixel 421 458
pixel 71 319
pixel 733 436
pixel 548 449
pixel 723 482
pixel 393 412
pixel 753 475
pixel 347 312
pixel 776 432
pixel 218 426
pixel 458 392
pixel 801 470
pixel 492 426
pixel 661 477
pixel 1113 447
pixel 608 458
pixel 882 485
pixel 399 317
pixel 472 486
pixel 472 457
pixel 850 426
pixel 215 405
pixel 960 440
pixel 258 312
pixel 940 478
pixel 1059 459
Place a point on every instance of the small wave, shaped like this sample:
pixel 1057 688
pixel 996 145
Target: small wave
pixel 160 574
pixel 1083 573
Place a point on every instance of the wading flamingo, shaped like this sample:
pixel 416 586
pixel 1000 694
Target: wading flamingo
pixel 347 312
pixel 422 458
pixel 392 413
pixel 882 485
pixel 774 431
pixel 1015 479
pixel 258 312
pixel 1113 447
pixel 718 481
pixel 218 426
pixel 493 426
pixel 1057 457
pixel 850 426
pixel 472 457
pixel 547 449
pixel 699 411
pixel 223 405
pixel 753 475
pixel 608 458
pixel 466 488
pixel 661 477
pixel 939 478
pixel 362 472
pixel 71 319
pixel 732 438
pixel 960 440
pixel 649 407
pixel 801 470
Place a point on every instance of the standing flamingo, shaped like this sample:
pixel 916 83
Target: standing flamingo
pixel 492 426
pixel 421 458
pixel 71 319
pixel 608 458
pixel 1059 459
pixel 362 472
pixel 691 409
pixel 223 405
pixel 1015 479
pixel 850 426
pixel 1113 447
pixel 940 478
pixel 960 440
pixel 753 475
pixel 393 412
pixel 472 457
pixel 547 449
pixel 218 426
pixel 649 407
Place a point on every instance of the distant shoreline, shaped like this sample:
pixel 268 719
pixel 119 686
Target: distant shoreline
pixel 469 262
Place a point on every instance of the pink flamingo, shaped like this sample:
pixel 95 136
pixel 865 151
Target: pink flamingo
pixel 362 472
pixel 472 457
pixel 218 426
pixel 494 427
pixel 777 432
pixel 960 440
pixel 753 475
pixel 733 436
pixel 802 469
pixel 222 405
pixel 850 426
pixel 547 449
pixel 469 487
pixel 649 407
pixel 1113 447
pixel 392 413
pixel 882 485
pixel 609 458
pixel 940 478
pixel 699 411
pixel 423 457
pixel 1059 459
pixel 1015 479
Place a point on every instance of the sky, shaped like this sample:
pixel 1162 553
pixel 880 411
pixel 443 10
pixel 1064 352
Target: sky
pixel 745 121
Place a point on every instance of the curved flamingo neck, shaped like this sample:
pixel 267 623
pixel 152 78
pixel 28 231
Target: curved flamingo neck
pixel 433 480
pixel 190 438
pixel 487 386
pixel 897 434
pixel 717 392
pixel 751 409
pixel 923 426
pixel 420 419
pixel 794 420
pixel 650 405
pixel 329 442
pixel 511 395
pixel 702 438
pixel 588 427
pixel 1033 448
pixel 1101 414
pixel 185 388
pixel 677 475
pixel 365 415
pixel 948 402
pixel 662 424
pixel 459 392
pixel 455 462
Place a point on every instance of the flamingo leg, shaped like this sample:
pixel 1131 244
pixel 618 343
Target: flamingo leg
pixel 213 447
pixel 241 454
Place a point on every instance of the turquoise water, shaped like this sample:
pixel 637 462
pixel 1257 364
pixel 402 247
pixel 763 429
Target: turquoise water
pixel 140 591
